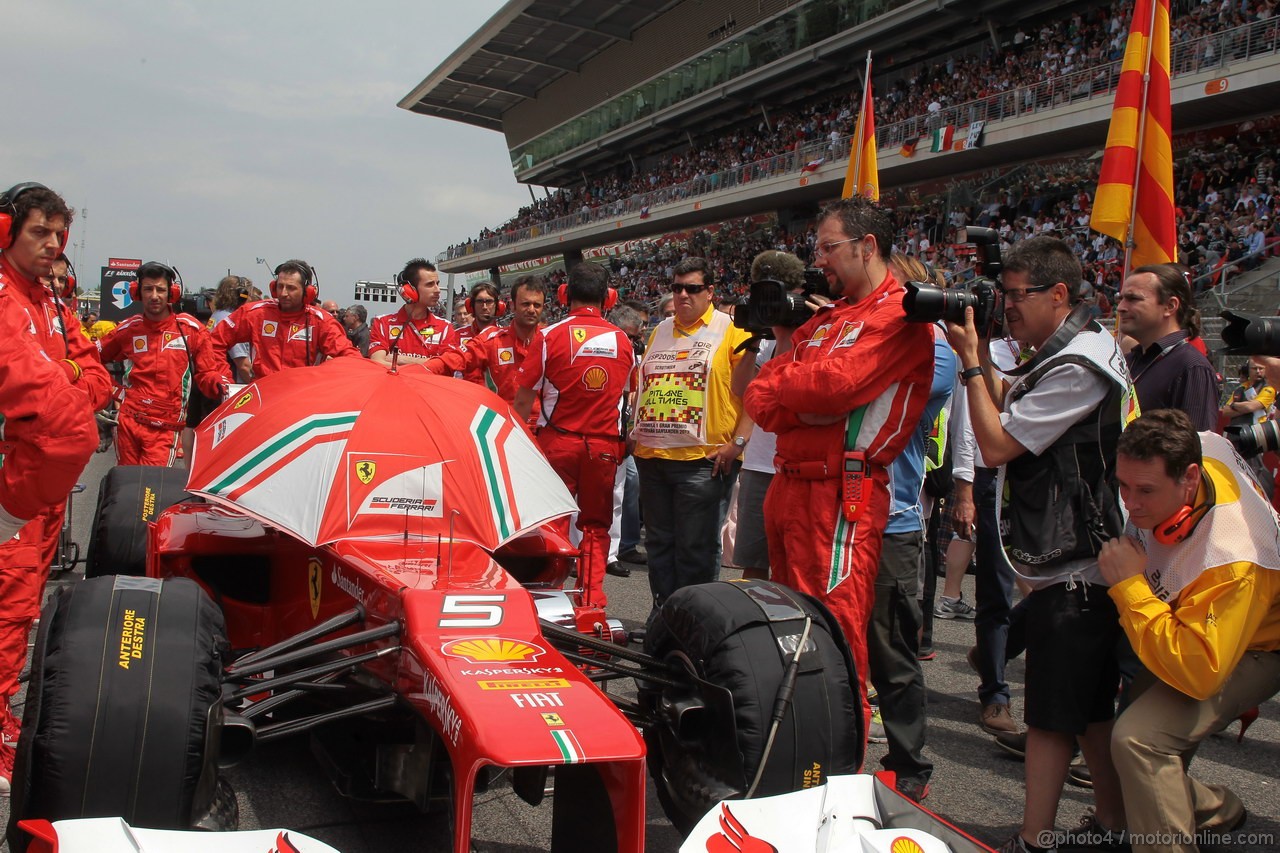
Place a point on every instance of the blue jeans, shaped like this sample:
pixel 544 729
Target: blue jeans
pixel 630 537
pixel 682 520
pixel 993 589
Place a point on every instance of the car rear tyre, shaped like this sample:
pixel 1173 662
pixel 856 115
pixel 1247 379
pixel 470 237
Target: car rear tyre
pixel 123 708
pixel 735 641
pixel 129 498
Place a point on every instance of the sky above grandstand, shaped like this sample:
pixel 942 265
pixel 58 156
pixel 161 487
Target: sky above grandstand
pixel 213 134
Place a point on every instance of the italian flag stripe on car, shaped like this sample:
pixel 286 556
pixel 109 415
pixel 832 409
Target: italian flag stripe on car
pixel 569 747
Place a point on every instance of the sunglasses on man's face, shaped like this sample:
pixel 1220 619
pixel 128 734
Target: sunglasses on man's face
pixel 689 288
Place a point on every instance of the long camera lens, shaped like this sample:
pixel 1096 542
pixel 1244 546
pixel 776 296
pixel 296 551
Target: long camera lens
pixel 1255 439
pixel 925 303
pixel 1249 334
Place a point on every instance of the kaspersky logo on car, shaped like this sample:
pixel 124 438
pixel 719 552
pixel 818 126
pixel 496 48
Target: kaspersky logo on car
pixel 493 649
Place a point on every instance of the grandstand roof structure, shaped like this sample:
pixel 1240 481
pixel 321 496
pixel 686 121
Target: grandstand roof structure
pixel 524 47
pixel 541 72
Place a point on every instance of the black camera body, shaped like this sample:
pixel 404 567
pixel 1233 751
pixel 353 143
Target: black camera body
pixel 1249 334
pixel 772 303
pixel 928 303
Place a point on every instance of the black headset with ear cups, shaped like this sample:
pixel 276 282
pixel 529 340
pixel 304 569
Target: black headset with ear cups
pixel 152 269
pixel 310 281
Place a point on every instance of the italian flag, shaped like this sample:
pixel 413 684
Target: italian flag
pixel 942 138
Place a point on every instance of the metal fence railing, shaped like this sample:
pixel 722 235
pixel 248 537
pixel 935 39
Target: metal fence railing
pixel 1215 50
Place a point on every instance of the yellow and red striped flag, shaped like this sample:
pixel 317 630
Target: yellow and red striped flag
pixel 1135 186
pixel 863 175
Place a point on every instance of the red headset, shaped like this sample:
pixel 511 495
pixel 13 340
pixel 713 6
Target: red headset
pixel 69 288
pixel 310 281
pixel 9 209
pixel 610 298
pixel 499 309
pixel 1182 523
pixel 154 269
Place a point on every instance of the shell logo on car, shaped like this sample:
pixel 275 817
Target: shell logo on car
pixel 491 649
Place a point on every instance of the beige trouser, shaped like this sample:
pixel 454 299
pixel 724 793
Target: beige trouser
pixel 1154 741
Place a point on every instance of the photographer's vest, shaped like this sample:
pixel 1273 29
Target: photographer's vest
pixel 671 410
pixel 1056 509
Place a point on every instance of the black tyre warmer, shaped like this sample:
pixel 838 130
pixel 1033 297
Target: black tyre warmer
pixel 738 638
pixel 125 683
pixel 130 496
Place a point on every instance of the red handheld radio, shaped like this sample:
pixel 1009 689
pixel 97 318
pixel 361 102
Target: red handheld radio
pixel 854 488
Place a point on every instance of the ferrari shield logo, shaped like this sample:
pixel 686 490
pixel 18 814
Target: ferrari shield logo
pixel 365 471
pixel 315 572
pixel 243 399
pixel 580 335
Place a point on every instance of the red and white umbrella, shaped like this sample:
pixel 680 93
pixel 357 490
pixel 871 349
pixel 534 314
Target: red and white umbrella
pixel 350 450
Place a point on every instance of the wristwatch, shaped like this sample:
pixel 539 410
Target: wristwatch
pixel 740 441
pixel 970 373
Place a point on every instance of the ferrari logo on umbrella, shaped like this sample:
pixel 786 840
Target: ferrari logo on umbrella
pixel 365 471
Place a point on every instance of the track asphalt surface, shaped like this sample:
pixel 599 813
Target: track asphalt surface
pixel 976 785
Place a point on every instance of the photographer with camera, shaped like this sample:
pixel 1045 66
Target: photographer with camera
pixel 1197 585
pixel 773 274
pixel 843 394
pixel 1247 410
pixel 1053 435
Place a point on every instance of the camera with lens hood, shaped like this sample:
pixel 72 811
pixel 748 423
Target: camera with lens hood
pixel 928 303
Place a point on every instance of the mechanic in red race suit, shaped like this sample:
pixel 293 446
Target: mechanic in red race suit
pixel 582 369
pixel 287 330
pixel 497 353
pixel 164 352
pixel 484 306
pixel 46 426
pixel 413 332
pixel 856 364
pixel 33 231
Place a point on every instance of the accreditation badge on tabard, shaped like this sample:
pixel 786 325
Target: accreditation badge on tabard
pixel 673 403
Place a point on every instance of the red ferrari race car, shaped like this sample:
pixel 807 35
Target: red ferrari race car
pixel 376 568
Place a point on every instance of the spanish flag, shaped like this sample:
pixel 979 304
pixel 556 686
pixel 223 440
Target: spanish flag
pixel 863 176
pixel 1135 188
